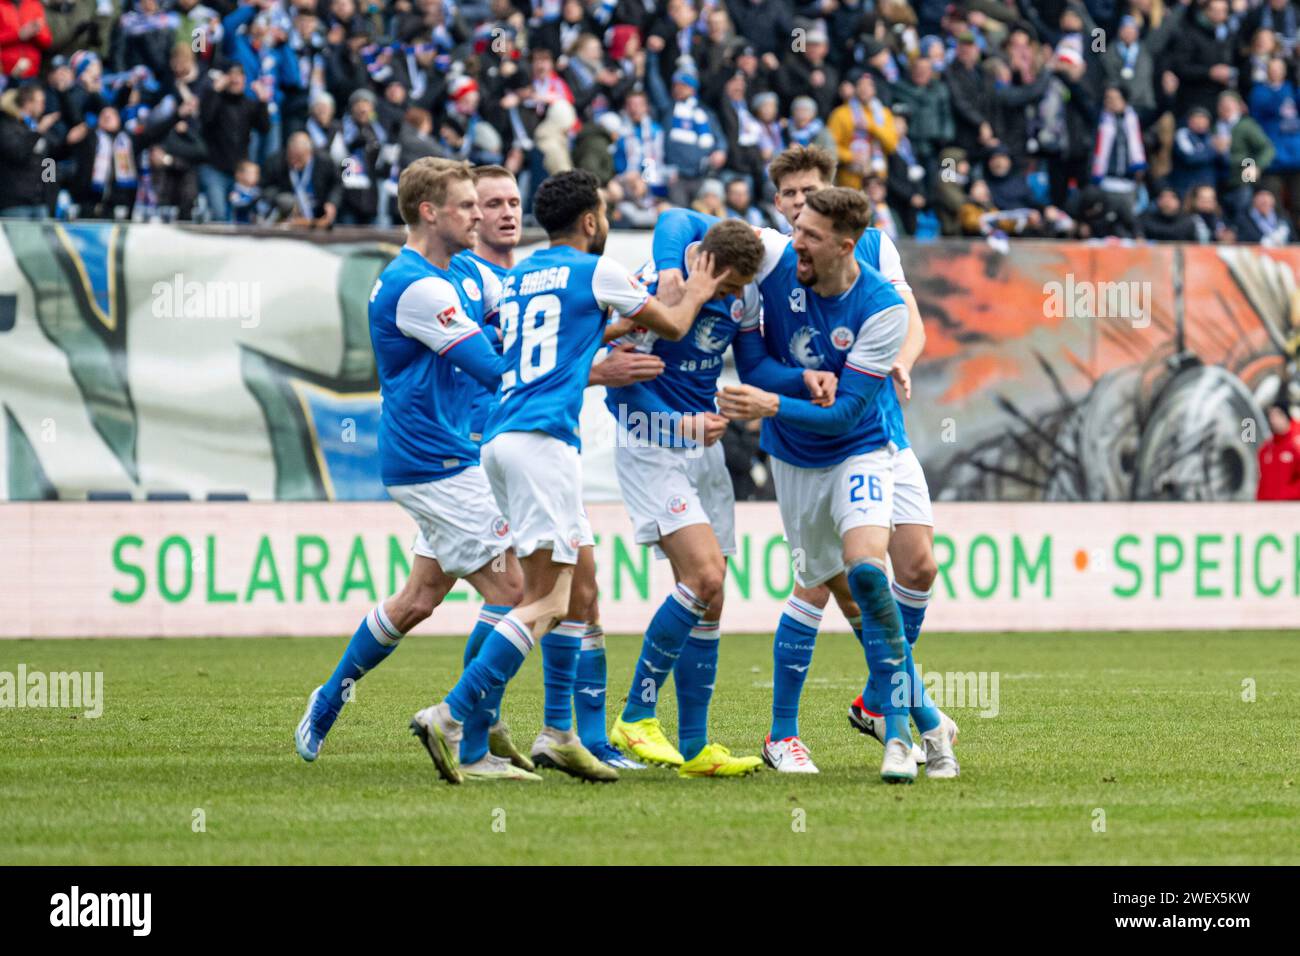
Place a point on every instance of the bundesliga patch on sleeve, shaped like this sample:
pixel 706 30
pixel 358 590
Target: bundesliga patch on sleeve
pixel 446 315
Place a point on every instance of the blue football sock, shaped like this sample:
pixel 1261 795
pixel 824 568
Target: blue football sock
pixel 664 639
pixel 695 673
pixel 856 624
pixel 792 653
pixel 373 641
pixel 589 688
pixel 911 607
pixel 498 660
pixel 475 742
pixel 887 690
pixel 560 649
pixel 921 704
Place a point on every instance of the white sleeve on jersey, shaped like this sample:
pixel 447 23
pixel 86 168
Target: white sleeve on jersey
pixel 429 310
pixel 616 289
pixel 878 342
pixel 491 287
pixel 891 264
pixel 774 246
pixel 751 308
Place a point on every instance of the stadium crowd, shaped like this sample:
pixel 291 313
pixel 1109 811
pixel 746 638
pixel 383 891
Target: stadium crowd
pixel 1155 118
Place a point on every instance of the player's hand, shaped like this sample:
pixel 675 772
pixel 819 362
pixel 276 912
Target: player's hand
pixel 625 366
pixel 821 386
pixel 704 428
pixel 671 288
pixel 703 284
pixel 740 402
pixel 903 376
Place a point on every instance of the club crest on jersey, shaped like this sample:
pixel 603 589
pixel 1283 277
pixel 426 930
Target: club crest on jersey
pixel 801 347
pixel 471 289
pixel 737 310
pixel 500 526
pixel 677 505
pixel 575 539
pixel 798 299
pixel 704 338
pixel 841 337
pixel 446 315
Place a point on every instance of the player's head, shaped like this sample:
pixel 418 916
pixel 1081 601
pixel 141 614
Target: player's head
pixel 828 228
pixel 734 246
pixel 438 196
pixel 498 200
pixel 569 206
pixel 797 172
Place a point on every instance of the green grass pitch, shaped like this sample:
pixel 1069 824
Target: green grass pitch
pixel 1151 729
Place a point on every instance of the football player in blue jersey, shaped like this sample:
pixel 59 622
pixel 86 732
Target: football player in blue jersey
pixel 480 271
pixel 424 340
pixel 796 173
pixel 554 311
pixel 678 494
pixel 834 467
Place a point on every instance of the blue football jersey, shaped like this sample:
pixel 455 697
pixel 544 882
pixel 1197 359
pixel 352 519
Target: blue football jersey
pixel 417 315
pixel 554 306
pixel 480 282
pixel 878 251
pixel 692 364
pixel 805 330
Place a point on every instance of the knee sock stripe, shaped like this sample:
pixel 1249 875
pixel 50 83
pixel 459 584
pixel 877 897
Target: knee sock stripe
pixel 381 628
pixel 590 643
pixel 910 597
pixel 706 631
pixel 687 599
pixel 515 632
pixel 804 613
pixel 571 629
pixel 491 617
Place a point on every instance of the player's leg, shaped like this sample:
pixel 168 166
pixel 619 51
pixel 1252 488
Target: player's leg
pixel 501 585
pixel 377 637
pixel 441 727
pixel 804 501
pixel 513 462
pixel 558 747
pixel 699 568
pixel 911 552
pixel 589 694
pixel 696 671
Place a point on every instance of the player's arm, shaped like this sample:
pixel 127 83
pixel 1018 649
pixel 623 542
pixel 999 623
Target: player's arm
pixel 675 230
pixel 429 311
pixel 616 289
pixel 865 371
pixel 622 366
pixel 891 267
pixel 757 367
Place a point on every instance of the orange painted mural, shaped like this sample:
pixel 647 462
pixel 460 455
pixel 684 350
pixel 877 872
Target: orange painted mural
pixel 1099 373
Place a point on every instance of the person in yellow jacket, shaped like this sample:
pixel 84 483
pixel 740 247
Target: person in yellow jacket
pixel 864 134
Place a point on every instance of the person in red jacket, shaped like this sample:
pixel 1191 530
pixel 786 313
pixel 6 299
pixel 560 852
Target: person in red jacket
pixel 1279 458
pixel 23 35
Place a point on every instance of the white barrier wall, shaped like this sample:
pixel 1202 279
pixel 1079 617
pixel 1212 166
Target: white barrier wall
pixel 185 570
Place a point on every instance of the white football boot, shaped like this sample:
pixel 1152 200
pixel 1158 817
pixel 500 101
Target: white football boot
pixel 898 765
pixel 940 761
pixel 873 725
pixel 788 755
pixel 492 767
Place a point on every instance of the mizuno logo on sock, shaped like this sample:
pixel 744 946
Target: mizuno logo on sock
pixel 592 691
pixel 654 670
pixel 798 667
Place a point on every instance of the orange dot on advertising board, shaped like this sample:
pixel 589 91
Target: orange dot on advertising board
pixel 1081 560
